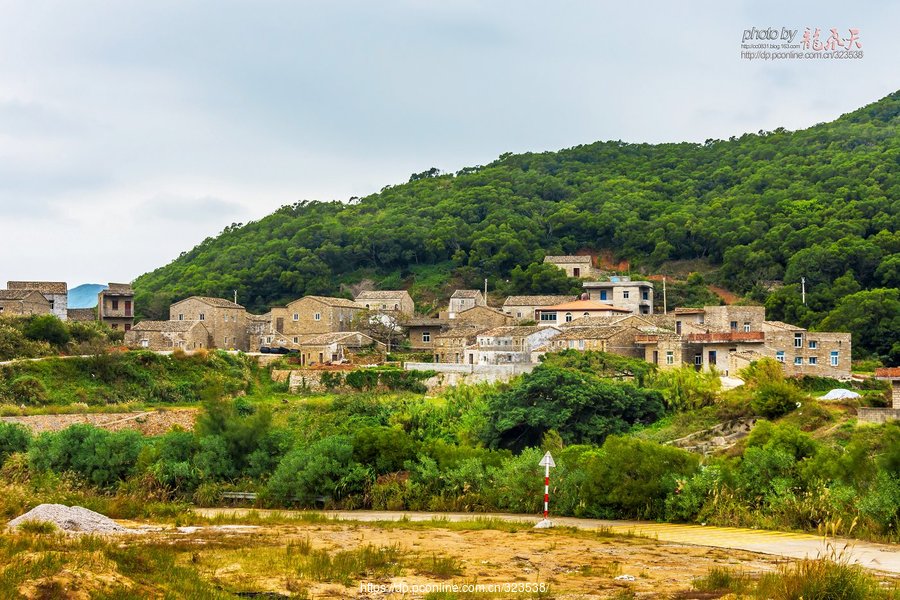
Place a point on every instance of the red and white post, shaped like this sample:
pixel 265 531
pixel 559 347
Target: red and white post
pixel 546 462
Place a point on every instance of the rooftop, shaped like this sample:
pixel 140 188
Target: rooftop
pixel 615 283
pixel 537 300
pixel 589 333
pixel 569 259
pixel 119 289
pixel 688 311
pixel 514 331
pixel 466 294
pixel 44 287
pixel 782 325
pixel 166 326
pixel 218 302
pixel 15 294
pixel 331 301
pixel 585 305
pixel 381 294
pixel 888 373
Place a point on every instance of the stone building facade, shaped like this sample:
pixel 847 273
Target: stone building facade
pixel 578 267
pixel 21 303
pixel 314 314
pixel 115 306
pixel 508 345
pixel 168 335
pixel 56 293
pixel 225 321
pixel 463 300
pixel 522 308
pixel 636 296
pixel 396 301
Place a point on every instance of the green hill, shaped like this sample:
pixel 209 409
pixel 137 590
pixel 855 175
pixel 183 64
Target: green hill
pixel 820 203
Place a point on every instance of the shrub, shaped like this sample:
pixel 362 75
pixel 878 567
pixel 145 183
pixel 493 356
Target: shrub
pixel 385 449
pixel 652 473
pixel 47 328
pixel 102 457
pixel 687 389
pixel 13 438
pixel 323 468
pixel 27 390
pixel 775 399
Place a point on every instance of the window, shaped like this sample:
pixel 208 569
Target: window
pixel 798 360
pixel 269 340
pixel 798 340
pixel 115 305
pixel 127 327
pixel 145 343
pixel 296 340
pixel 568 317
pixel 779 356
pixel 626 294
pixel 572 344
pixel 603 294
pixel 670 357
pixel 734 325
pixel 367 306
pixel 383 306
pixel 698 360
pixel 519 315
pixel 426 336
pixel 678 327
pixel 834 358
pixel 576 272
pixel 180 317
pixel 581 344
pixel 317 316
pixel 226 341
pixel 746 327
pixel 548 316
pixel 813 360
pixel 202 317
pixel 645 295
pixel 813 344
pixel 586 315
pixel 297 315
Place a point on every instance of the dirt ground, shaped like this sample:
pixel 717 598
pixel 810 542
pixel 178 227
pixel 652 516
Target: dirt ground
pixel 570 563
pixel 154 422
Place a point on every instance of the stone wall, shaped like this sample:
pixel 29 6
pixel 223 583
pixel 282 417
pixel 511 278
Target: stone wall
pixel 449 374
pixel 877 415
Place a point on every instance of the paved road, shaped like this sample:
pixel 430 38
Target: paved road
pixel 882 557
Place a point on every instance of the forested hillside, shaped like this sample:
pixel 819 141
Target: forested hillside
pixel 820 203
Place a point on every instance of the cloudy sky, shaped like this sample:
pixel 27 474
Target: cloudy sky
pixel 131 130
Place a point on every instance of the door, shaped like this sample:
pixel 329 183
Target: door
pixel 576 272
pixel 656 357
pixel 128 308
pixel 712 358
pixel 279 325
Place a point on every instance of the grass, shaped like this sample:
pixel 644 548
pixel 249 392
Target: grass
pixel 723 579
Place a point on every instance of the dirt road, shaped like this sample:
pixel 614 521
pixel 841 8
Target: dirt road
pixel 881 557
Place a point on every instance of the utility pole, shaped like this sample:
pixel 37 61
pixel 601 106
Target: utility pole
pixel 235 296
pixel 803 289
pixel 485 289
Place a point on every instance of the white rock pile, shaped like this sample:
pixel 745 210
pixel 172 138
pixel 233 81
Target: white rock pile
pixel 71 518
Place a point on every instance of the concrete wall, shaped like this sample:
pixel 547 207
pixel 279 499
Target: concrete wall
pixel 877 415
pixel 453 374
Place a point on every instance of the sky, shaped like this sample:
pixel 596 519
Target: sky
pixel 131 130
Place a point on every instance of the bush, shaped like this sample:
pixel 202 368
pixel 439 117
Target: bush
pixel 102 457
pixel 384 449
pixel 27 390
pixel 325 468
pixel 776 399
pixel 13 438
pixel 47 328
pixel 687 389
pixel 629 477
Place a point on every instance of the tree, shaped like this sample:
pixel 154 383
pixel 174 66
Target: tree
pixel 872 316
pixel 581 407
pixel 47 328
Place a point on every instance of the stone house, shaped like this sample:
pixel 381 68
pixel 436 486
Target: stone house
pixel 728 338
pixel 560 314
pixel 314 314
pixel 483 316
pixel 398 301
pixel 620 291
pixel 610 338
pixel 891 374
pixel 522 307
pixel 337 347
pixel 579 267
pixel 115 306
pixel 463 300
pixel 259 331
pixel 421 331
pixel 168 335
pixel 225 320
pixel 512 344
pixel 450 346
pixel 21 303
pixel 56 293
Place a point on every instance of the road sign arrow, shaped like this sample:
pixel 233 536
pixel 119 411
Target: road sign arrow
pixel 547 461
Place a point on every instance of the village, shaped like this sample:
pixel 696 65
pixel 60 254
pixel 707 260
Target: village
pixel 614 314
